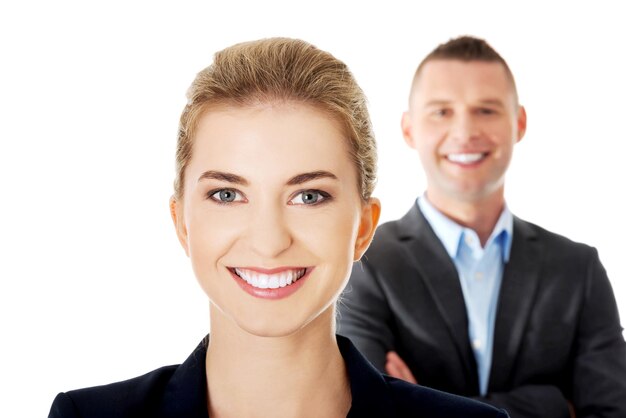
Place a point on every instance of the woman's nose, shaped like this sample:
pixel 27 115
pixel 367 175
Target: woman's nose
pixel 269 234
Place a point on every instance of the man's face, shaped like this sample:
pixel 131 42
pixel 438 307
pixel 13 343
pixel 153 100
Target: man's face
pixel 463 120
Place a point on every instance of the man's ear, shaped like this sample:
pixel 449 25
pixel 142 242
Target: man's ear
pixel 521 123
pixel 176 211
pixel 370 213
pixel 407 128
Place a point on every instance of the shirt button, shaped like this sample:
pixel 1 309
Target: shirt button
pixel 469 240
pixel 476 344
pixel 479 275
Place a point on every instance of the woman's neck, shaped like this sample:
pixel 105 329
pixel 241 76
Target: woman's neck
pixel 298 375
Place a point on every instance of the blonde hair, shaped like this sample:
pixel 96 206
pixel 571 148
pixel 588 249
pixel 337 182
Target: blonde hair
pixel 281 69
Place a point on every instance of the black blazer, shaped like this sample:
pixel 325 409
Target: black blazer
pixel 181 391
pixel 557 331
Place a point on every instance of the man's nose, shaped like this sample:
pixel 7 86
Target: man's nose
pixel 464 127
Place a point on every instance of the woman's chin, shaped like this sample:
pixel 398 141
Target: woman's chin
pixel 285 325
pixel 260 326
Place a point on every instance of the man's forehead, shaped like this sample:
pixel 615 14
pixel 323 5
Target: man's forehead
pixel 449 71
pixel 448 78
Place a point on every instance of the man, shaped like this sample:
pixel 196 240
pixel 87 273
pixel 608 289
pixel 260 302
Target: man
pixel 461 295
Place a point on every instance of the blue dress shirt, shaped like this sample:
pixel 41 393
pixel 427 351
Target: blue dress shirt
pixel 480 273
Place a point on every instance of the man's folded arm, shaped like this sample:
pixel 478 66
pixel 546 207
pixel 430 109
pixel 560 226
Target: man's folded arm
pixel 599 375
pixel 530 401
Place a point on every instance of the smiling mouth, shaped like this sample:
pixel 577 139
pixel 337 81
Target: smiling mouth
pixel 467 158
pixel 275 280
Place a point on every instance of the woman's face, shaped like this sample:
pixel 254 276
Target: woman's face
pixel 271 216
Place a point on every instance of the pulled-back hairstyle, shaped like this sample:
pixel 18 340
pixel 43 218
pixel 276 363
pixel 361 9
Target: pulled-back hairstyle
pixel 467 49
pixel 280 70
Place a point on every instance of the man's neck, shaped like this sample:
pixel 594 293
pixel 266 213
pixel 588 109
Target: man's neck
pixel 480 214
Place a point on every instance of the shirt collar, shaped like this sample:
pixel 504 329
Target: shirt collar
pixel 450 233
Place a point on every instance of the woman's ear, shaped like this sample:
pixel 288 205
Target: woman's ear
pixel 176 211
pixel 370 213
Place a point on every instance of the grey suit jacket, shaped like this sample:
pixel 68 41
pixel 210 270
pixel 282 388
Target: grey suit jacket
pixel 557 335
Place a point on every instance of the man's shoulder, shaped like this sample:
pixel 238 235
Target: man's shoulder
pixel 127 398
pixel 388 245
pixel 388 232
pixel 414 400
pixel 397 232
pixel 557 243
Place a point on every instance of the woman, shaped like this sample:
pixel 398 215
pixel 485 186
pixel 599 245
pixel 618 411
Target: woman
pixel 272 204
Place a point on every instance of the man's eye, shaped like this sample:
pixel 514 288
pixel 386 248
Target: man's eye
pixel 441 112
pixel 486 111
pixel 226 196
pixel 309 197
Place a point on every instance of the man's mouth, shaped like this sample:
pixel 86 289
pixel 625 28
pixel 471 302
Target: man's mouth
pixel 274 280
pixel 466 158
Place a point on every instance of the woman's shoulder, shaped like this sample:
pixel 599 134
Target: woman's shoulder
pixel 128 398
pixel 410 399
pixel 376 394
pixel 178 390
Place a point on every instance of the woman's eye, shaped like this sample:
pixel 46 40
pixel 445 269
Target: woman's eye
pixel 226 196
pixel 309 197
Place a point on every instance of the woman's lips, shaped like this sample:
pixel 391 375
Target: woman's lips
pixel 270 280
pixel 270 284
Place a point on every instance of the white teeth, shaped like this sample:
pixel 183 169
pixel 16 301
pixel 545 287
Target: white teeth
pixel 271 281
pixel 263 281
pixel 274 282
pixel 467 158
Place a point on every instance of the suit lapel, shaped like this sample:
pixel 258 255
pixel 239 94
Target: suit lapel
pixel 517 295
pixel 434 266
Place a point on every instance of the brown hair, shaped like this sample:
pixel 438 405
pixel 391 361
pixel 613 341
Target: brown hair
pixel 281 69
pixel 466 48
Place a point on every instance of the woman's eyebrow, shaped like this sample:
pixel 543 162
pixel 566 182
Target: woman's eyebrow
pixel 314 175
pixel 220 175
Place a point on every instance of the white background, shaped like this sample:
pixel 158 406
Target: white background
pixel 93 285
